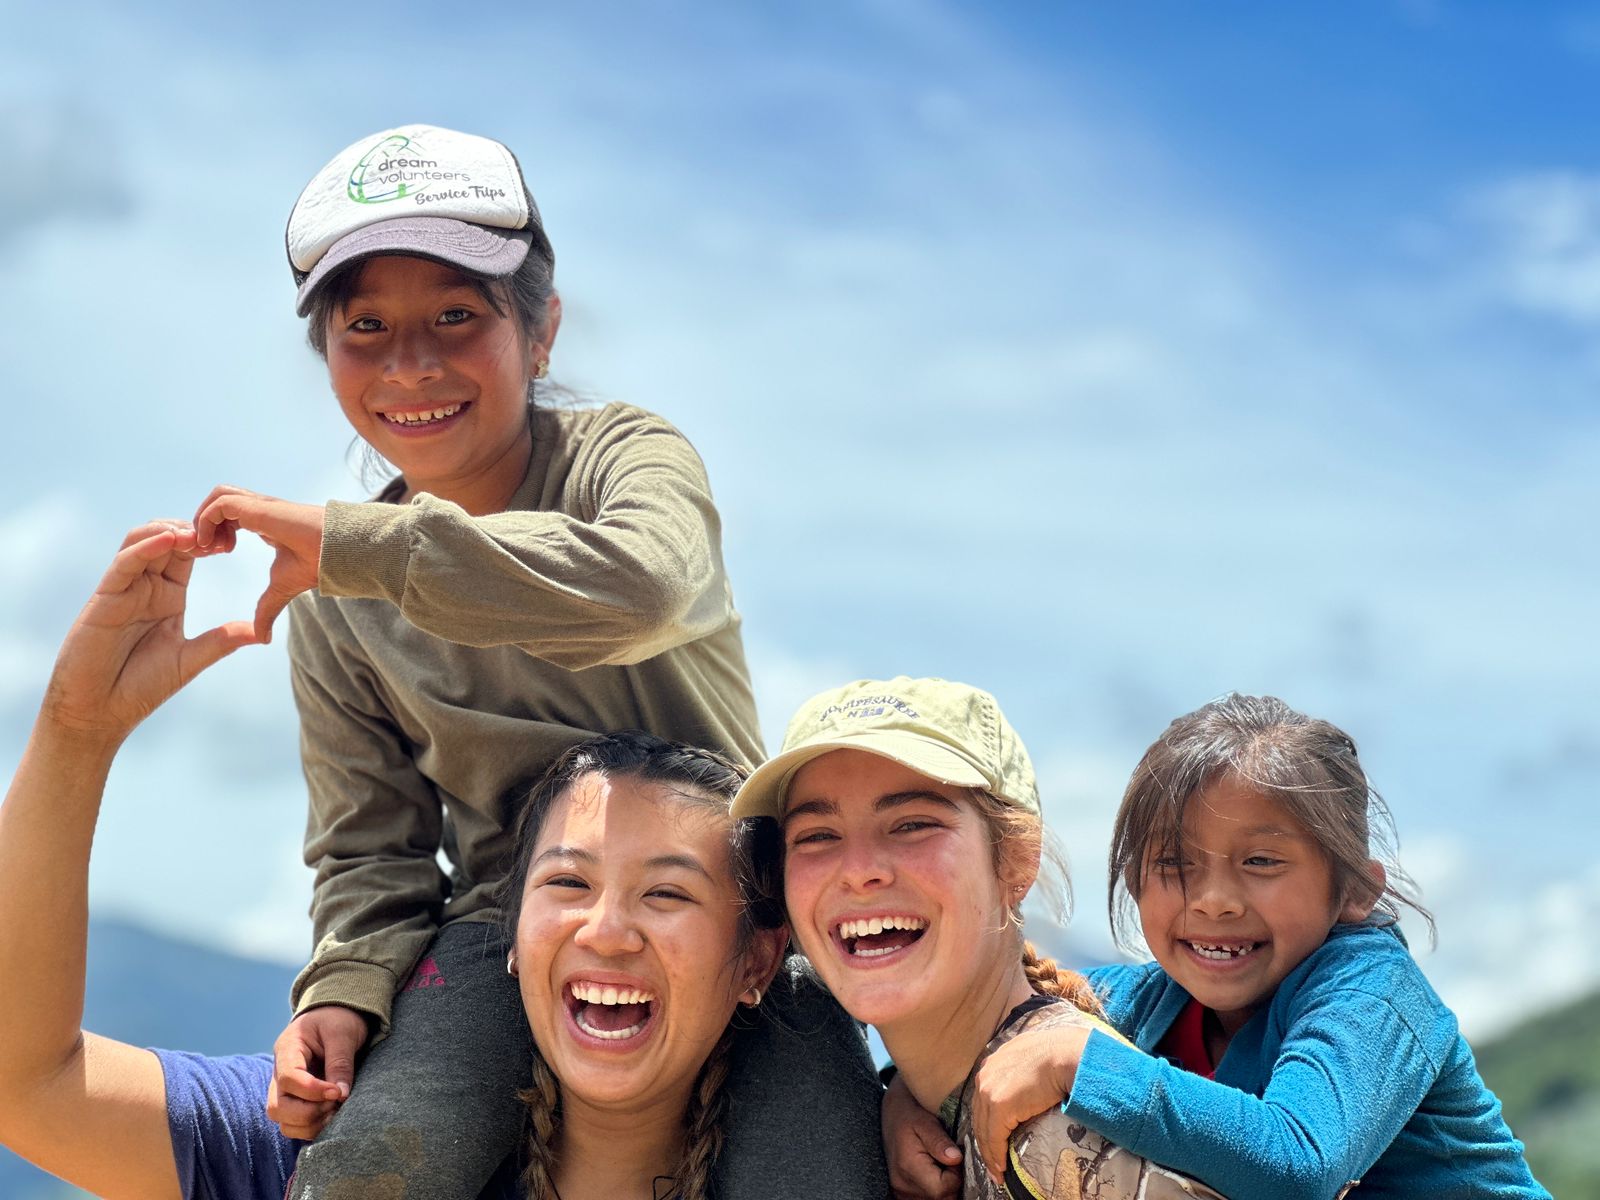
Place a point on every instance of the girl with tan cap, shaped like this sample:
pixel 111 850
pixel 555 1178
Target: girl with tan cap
pixel 911 833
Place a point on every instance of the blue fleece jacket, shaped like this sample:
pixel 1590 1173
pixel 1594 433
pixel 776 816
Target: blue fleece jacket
pixel 1354 1070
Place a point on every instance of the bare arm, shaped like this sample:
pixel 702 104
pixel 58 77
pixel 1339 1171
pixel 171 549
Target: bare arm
pixel 87 1108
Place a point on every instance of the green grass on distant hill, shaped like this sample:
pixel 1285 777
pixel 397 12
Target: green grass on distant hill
pixel 1546 1072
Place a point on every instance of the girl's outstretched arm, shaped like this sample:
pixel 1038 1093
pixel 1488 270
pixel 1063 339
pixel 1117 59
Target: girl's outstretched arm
pixel 88 1109
pixel 624 563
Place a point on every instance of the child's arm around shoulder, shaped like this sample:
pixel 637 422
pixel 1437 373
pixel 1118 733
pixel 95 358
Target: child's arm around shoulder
pixel 1335 1067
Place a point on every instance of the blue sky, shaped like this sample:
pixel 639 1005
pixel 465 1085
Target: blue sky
pixel 1107 356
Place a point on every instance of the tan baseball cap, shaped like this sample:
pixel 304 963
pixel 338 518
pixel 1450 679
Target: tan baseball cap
pixel 947 731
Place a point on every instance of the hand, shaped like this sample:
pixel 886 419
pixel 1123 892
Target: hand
pixel 314 1064
pixel 126 653
pixel 923 1161
pixel 294 531
pixel 1030 1074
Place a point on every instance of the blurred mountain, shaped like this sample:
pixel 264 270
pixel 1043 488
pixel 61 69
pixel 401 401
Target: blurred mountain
pixel 1546 1072
pixel 151 990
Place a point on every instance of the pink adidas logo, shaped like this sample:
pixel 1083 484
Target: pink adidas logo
pixel 427 975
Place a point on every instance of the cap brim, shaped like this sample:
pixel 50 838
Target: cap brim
pixel 763 794
pixel 478 249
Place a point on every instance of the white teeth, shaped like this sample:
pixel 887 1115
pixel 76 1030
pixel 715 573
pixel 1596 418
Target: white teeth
pixel 1214 951
pixel 870 925
pixel 599 993
pixel 609 1035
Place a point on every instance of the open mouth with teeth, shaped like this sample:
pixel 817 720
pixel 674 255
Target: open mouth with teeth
pixel 423 418
pixel 608 1012
pixel 878 937
pixel 1223 951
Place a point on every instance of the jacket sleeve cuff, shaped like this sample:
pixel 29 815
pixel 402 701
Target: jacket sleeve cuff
pixel 1112 1089
pixel 366 549
pixel 365 987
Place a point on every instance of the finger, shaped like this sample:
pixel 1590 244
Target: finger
pixel 994 1136
pixel 212 646
pixel 291 1110
pixel 134 561
pixel 307 1130
pixel 339 1062
pixel 151 528
pixel 934 1167
pixel 272 603
pixel 221 513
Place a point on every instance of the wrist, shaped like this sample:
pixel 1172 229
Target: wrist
pixel 87 745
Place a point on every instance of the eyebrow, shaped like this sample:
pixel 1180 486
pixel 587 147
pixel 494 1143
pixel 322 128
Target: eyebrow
pixel 686 862
pixel 885 803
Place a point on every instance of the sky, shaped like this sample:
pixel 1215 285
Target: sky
pixel 1109 357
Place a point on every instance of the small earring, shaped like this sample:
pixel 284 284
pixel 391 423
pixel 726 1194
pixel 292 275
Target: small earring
pixel 511 964
pixel 756 1003
pixel 542 369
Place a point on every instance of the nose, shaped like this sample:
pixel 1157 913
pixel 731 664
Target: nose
pixel 609 929
pixel 1212 892
pixel 863 865
pixel 413 358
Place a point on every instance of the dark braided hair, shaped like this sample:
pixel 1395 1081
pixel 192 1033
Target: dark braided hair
pixel 699 777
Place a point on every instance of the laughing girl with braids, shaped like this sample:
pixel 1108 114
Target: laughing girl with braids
pixel 635 940
pixel 911 833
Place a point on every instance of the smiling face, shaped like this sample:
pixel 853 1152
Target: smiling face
pixel 434 379
pixel 628 942
pixel 893 891
pixel 1243 900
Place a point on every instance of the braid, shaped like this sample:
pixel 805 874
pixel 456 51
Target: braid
pixel 1050 980
pixel 707 1108
pixel 544 1115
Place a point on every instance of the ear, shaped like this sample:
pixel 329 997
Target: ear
pixel 552 317
pixel 1361 898
pixel 538 349
pixel 1019 867
pixel 761 961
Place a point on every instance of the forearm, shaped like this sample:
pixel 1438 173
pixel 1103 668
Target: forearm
pixel 577 594
pixel 46 831
pixel 1311 1133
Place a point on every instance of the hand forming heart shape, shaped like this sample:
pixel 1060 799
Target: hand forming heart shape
pixel 294 531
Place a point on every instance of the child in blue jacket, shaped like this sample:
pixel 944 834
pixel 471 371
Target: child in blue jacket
pixel 1285 1043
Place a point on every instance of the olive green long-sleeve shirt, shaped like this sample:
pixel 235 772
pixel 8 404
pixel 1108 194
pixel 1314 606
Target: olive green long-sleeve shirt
pixel 446 659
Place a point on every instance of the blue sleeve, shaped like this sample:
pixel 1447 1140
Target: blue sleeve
pixel 1349 1073
pixel 223 1143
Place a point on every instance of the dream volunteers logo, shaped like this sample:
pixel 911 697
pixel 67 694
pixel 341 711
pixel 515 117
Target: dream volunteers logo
pixel 395 168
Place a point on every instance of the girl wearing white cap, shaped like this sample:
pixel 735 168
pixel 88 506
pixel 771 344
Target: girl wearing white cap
pixel 531 576
pixel 634 945
pixel 911 834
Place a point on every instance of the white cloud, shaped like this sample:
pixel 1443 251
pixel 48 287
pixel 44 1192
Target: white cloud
pixel 1546 253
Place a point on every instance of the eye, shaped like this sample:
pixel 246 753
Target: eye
pixel 1263 861
pixel 916 825
pixel 365 325
pixel 455 316
pixel 565 881
pixel 669 893
pixel 812 837
pixel 1167 864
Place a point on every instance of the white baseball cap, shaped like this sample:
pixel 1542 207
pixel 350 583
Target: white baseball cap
pixel 416 190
